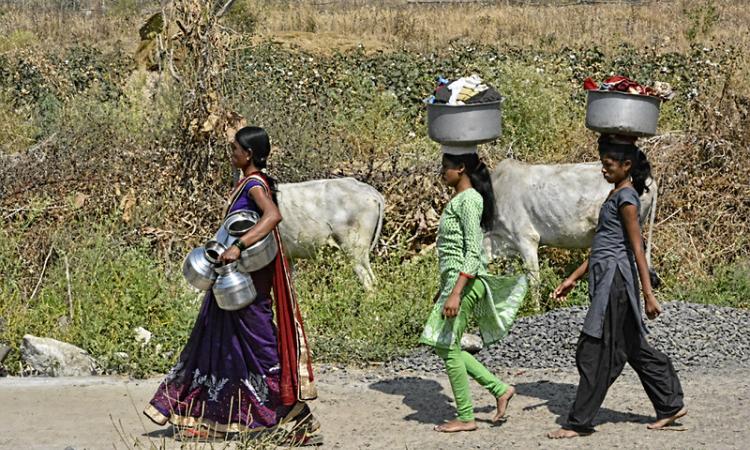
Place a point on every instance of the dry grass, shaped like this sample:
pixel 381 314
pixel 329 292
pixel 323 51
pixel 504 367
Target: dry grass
pixel 669 25
pixel 665 24
pixel 58 29
pixel 700 223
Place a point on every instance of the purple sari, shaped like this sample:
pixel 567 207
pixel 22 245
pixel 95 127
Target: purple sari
pixel 228 374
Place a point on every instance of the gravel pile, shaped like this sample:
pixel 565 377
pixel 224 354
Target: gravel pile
pixel 693 335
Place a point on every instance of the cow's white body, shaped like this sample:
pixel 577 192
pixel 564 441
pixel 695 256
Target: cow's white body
pixel 548 204
pixel 342 212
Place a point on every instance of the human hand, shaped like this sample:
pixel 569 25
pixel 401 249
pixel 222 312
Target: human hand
pixel 450 309
pixel 653 309
pixel 230 255
pixel 563 289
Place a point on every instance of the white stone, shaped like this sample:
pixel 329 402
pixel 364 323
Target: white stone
pixel 142 335
pixel 56 359
pixel 471 343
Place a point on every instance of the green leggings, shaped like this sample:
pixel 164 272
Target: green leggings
pixel 459 363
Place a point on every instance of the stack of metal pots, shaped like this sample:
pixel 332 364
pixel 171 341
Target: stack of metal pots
pixel 232 284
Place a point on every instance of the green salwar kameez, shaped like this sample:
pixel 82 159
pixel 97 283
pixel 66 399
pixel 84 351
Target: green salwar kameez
pixel 492 300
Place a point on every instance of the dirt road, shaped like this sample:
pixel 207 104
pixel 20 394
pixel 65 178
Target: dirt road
pixel 374 409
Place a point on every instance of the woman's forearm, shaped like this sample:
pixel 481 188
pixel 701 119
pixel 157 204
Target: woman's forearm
pixel 580 271
pixel 265 225
pixel 642 265
pixel 461 283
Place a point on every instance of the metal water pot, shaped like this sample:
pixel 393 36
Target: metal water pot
pixel 233 290
pixel 235 225
pixel 259 255
pixel 240 222
pixel 198 268
pixel 213 251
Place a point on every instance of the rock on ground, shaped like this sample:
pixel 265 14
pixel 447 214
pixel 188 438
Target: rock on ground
pixel 471 343
pixel 54 358
pixel 4 350
pixel 142 335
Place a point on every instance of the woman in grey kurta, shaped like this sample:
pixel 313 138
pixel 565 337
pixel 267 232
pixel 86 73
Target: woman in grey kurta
pixel 467 289
pixel 613 331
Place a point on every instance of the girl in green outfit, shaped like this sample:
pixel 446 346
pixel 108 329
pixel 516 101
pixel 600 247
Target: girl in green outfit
pixel 467 289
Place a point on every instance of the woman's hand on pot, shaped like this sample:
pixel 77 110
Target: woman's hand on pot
pixel 232 254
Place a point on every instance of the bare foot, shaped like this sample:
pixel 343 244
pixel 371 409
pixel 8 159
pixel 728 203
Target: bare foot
pixel 502 404
pixel 562 433
pixel 667 421
pixel 455 426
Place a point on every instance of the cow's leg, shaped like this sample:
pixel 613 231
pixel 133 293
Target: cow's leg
pixel 529 250
pixel 364 271
pixel 359 251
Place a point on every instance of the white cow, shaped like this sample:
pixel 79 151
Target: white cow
pixel 342 212
pixel 556 205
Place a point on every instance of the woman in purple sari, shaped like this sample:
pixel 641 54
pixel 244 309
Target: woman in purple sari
pixel 242 370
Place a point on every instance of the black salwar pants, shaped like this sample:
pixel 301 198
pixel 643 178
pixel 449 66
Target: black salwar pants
pixel 600 362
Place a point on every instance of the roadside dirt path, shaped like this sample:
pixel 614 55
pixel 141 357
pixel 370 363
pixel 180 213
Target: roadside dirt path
pixel 374 409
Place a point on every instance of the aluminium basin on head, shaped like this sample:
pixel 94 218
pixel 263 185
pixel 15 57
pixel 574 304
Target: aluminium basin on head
pixel 613 112
pixel 464 125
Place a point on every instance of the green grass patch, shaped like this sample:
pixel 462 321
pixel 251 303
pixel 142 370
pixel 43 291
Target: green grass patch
pixel 728 285
pixel 113 289
pixel 347 324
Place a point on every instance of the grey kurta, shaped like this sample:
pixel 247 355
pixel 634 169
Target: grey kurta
pixel 610 252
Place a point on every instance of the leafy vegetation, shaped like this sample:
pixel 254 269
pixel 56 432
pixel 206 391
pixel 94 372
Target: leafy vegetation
pixel 97 209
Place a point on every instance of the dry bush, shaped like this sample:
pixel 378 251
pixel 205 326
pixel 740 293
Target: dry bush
pixel 704 199
pixel 358 114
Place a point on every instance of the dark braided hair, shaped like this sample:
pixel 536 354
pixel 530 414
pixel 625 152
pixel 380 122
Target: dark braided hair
pixel 255 141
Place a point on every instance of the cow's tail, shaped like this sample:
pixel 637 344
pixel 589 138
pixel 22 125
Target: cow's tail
pixel 381 216
pixel 651 223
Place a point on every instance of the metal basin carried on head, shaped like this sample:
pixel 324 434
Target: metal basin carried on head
pixel 612 112
pixel 233 290
pixel 463 125
pixel 259 255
